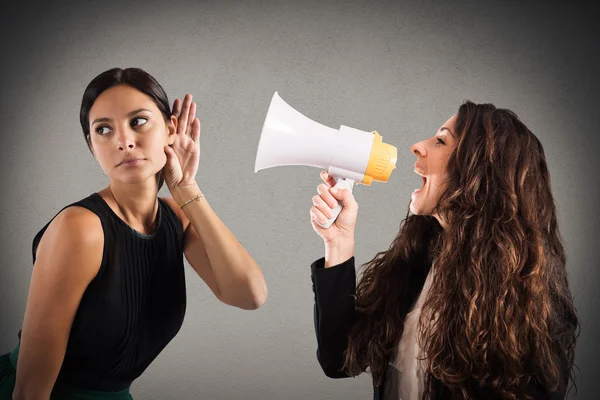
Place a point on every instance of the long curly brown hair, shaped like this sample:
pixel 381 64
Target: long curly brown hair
pixel 499 316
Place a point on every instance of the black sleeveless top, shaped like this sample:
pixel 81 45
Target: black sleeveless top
pixel 133 307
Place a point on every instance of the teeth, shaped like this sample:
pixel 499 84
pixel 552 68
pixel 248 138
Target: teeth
pixel 420 171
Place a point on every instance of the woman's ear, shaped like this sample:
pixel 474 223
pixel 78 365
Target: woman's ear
pixel 171 129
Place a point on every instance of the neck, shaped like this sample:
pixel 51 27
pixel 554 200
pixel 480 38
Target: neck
pixel 136 203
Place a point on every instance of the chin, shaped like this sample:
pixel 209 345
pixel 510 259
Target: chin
pixel 416 209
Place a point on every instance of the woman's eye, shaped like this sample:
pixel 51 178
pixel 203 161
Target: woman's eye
pixel 138 121
pixel 102 130
pixel 440 141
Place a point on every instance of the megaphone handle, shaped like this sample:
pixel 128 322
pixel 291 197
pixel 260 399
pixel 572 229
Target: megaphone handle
pixel 342 183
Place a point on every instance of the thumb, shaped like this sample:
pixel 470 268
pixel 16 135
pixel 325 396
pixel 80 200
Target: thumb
pixel 171 158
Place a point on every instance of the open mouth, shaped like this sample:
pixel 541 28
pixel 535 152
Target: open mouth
pixel 423 177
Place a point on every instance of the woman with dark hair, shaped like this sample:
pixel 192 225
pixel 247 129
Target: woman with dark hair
pixel 107 290
pixel 471 300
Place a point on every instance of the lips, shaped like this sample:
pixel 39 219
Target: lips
pixel 130 161
pixel 419 170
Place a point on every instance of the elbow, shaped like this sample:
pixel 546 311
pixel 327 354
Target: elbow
pixel 334 374
pixel 332 370
pixel 248 304
pixel 17 395
pixel 258 292
pixel 250 299
pixel 257 298
pixel 20 393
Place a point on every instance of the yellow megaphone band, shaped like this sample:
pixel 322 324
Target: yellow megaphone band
pixel 382 161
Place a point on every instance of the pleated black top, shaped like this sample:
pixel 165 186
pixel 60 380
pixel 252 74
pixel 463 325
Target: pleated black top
pixel 133 307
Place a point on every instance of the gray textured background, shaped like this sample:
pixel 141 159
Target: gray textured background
pixel 399 67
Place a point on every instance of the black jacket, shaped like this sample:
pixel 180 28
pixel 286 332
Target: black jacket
pixel 334 312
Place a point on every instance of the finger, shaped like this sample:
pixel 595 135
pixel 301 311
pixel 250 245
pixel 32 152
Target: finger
pixel 316 226
pixel 345 197
pixel 324 192
pixel 191 119
pixel 176 107
pixel 317 215
pixel 322 206
pixel 171 158
pixel 328 179
pixel 196 130
pixel 183 117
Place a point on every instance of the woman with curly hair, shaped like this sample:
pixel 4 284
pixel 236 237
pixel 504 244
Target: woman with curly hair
pixel 471 300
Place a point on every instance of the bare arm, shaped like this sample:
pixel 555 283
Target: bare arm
pixel 218 257
pixel 68 258
pixel 211 249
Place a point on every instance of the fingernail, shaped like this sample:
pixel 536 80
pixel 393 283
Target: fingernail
pixel 334 190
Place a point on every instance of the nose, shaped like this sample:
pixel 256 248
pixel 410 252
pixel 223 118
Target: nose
pixel 419 149
pixel 126 140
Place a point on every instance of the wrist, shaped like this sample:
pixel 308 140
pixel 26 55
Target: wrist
pixel 338 251
pixel 183 193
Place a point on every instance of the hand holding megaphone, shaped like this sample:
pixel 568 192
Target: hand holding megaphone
pixel 331 208
pixel 321 213
pixel 348 154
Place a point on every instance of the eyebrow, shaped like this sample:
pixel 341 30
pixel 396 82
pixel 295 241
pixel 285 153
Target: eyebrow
pixel 443 128
pixel 131 114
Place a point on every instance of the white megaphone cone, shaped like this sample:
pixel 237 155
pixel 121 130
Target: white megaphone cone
pixel 350 155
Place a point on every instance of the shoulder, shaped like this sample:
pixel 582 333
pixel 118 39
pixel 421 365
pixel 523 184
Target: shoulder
pixel 72 243
pixel 74 227
pixel 79 224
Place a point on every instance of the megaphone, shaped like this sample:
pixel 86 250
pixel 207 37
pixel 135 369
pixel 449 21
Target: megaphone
pixel 348 154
